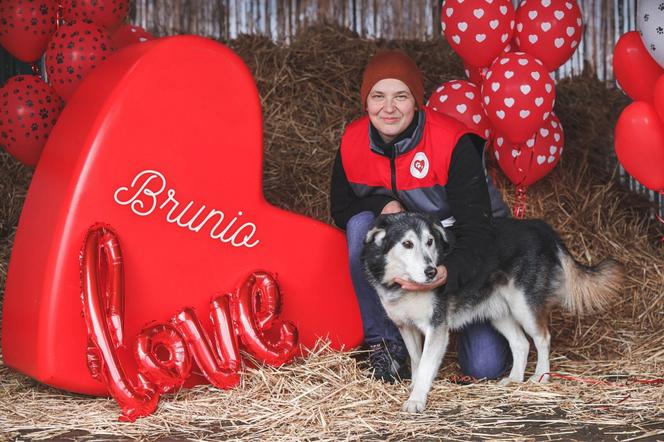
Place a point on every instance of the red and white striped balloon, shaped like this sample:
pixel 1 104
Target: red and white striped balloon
pixel 525 163
pixel 518 94
pixel 461 100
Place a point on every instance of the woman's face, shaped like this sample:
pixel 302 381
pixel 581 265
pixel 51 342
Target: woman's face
pixel 391 107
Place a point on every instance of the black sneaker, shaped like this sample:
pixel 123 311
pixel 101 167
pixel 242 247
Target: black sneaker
pixel 388 362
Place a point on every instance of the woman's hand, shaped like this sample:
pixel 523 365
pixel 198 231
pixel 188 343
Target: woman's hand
pixel 441 278
pixel 392 207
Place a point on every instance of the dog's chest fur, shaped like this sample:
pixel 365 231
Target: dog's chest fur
pixel 409 308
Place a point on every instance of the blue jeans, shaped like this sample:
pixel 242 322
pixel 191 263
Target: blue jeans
pixel 483 351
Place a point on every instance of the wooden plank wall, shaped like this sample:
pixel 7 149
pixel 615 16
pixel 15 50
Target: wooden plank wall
pixel 605 21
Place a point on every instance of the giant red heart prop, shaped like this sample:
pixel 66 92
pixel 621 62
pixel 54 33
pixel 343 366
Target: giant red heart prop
pixel 164 143
pixel 26 27
pixel 549 30
pixel 639 141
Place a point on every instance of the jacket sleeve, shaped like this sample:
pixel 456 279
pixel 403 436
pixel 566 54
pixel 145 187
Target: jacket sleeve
pixel 468 198
pixel 343 201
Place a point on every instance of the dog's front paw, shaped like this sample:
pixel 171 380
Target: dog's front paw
pixel 506 381
pixel 542 378
pixel 414 406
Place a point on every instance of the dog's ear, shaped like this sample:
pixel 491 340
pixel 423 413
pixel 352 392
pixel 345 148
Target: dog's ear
pixel 440 229
pixel 375 235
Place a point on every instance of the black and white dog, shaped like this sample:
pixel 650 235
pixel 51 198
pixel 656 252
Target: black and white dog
pixel 523 273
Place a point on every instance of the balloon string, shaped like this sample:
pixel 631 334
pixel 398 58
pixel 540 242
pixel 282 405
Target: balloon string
pixel 657 215
pixel 519 209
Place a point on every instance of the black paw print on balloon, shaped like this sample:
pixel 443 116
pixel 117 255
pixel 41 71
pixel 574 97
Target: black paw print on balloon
pixel 661 7
pixel 652 47
pixel 660 30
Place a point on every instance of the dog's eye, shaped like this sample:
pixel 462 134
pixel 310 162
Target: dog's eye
pixel 407 244
pixel 429 242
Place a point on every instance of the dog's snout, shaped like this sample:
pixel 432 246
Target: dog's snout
pixel 430 272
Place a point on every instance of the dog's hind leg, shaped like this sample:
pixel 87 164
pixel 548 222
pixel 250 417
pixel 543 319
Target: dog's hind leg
pixel 435 345
pixel 519 346
pixel 413 340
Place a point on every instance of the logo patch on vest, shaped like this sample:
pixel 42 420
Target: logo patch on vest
pixel 419 167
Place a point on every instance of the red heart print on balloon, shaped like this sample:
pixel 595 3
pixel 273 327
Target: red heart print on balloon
pixel 549 30
pixel 518 95
pixel 460 100
pixel 26 26
pixel 528 162
pixel 28 110
pixel 74 51
pixel 162 147
pixel 478 31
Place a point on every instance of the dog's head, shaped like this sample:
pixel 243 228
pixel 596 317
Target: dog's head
pixel 404 245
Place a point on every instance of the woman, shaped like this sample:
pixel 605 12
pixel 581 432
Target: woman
pixel 402 156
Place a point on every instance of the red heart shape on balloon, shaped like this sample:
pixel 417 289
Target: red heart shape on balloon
pixel 639 142
pixel 163 142
pixel 26 27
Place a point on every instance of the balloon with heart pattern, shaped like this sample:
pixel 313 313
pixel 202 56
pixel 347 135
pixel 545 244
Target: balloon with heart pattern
pixel 639 144
pixel 129 34
pixel 518 94
pixel 478 30
pixel 550 30
pixel 75 50
pixel 28 110
pixel 108 14
pixel 26 27
pixel 461 100
pixel 525 163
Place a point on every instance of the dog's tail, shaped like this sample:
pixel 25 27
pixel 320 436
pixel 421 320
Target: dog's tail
pixel 588 289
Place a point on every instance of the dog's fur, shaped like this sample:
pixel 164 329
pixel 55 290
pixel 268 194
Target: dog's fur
pixel 523 272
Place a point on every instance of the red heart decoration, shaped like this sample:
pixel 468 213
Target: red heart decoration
pixel 129 34
pixel 108 14
pixel 635 70
pixel 528 162
pixel 549 30
pixel 639 141
pixel 419 165
pixel 74 51
pixel 478 32
pixel 26 27
pixel 161 113
pixel 28 110
pixel 461 100
pixel 518 95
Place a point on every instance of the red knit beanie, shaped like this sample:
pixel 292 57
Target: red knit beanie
pixel 392 64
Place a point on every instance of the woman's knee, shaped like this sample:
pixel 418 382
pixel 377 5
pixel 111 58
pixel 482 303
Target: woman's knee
pixel 356 230
pixel 483 352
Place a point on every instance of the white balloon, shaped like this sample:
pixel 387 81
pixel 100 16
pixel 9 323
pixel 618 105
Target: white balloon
pixel 650 23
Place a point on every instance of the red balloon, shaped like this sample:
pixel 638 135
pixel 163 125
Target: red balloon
pixel 75 50
pixel 101 254
pixel 528 162
pixel 549 30
pixel 128 34
pixel 28 110
pixel 26 27
pixel 518 94
pixel 108 14
pixel 162 356
pixel 461 100
pixel 639 141
pixel 254 311
pixel 659 97
pixel 634 68
pixel 478 32
pixel 220 368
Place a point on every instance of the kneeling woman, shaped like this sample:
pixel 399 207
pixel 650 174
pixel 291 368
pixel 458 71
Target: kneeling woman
pixel 403 156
